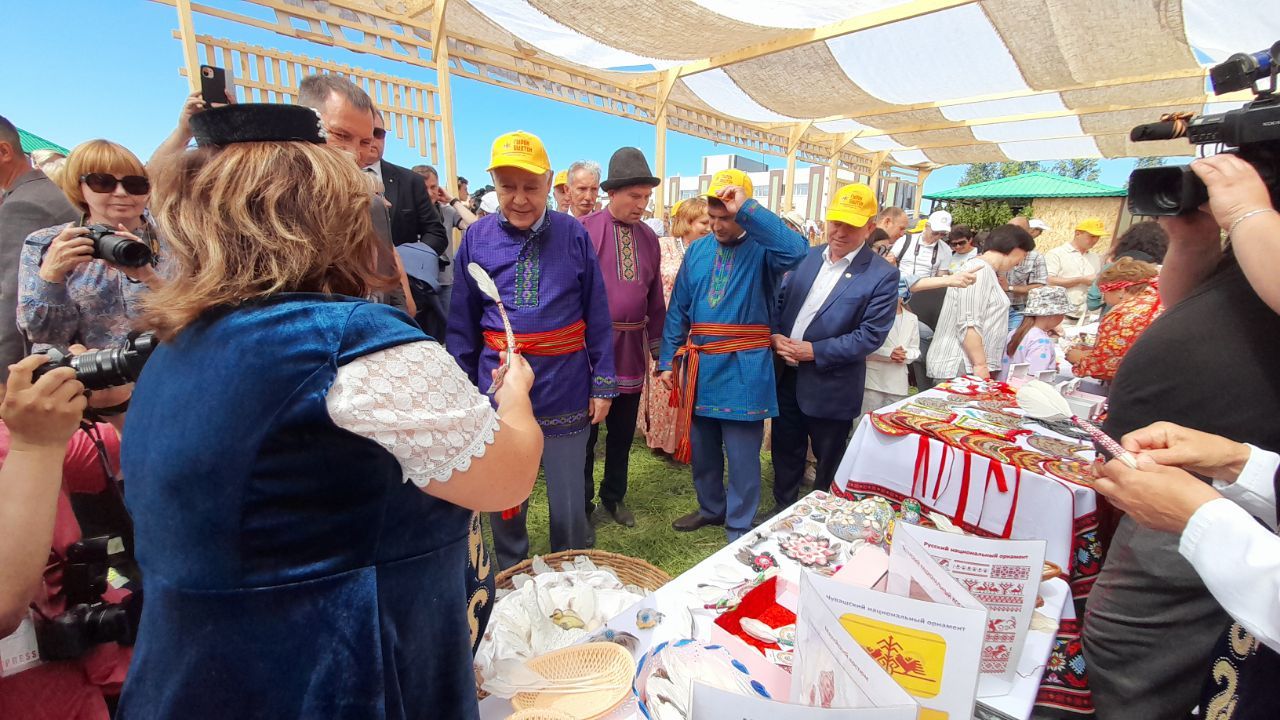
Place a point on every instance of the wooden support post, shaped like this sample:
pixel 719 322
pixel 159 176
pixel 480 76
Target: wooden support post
pixel 187 33
pixel 660 141
pixel 789 190
pixel 660 163
pixel 921 175
pixel 440 54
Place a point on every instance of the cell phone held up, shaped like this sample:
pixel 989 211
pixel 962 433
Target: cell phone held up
pixel 213 85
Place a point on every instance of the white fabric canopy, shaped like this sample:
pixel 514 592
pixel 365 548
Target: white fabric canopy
pixel 930 81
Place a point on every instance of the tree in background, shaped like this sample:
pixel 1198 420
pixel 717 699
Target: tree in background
pixel 1079 168
pixel 1149 162
pixel 986 214
pixel 982 172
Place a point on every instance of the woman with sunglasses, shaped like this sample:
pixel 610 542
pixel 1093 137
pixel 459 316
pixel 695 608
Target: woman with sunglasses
pixel 65 294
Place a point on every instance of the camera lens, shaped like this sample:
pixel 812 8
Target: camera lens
pixel 107 623
pixel 123 251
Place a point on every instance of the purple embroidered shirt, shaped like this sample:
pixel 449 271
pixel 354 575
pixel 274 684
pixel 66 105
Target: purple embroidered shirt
pixel 548 278
pixel 630 263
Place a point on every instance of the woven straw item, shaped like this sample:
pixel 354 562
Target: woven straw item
pixel 631 571
pixel 540 714
pixel 611 662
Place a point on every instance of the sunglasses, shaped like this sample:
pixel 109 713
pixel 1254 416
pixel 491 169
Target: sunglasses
pixel 379 133
pixel 107 183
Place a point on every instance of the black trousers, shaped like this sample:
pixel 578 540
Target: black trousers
pixel 621 422
pixel 792 433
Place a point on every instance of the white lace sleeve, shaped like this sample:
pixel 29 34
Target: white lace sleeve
pixel 414 401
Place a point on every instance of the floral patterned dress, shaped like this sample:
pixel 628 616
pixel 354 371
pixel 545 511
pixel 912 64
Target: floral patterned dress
pixel 657 417
pixel 1118 332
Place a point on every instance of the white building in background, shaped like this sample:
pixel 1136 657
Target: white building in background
pixel 769 184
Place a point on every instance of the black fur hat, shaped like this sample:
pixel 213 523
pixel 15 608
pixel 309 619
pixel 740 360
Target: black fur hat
pixel 257 122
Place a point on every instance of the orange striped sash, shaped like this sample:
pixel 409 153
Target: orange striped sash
pixel 564 341
pixel 685 367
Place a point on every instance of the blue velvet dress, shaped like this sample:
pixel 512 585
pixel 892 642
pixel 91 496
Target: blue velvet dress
pixel 289 571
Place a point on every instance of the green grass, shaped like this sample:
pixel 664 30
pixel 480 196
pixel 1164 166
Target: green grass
pixel 658 491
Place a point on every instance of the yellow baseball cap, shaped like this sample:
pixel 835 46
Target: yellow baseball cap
pixel 562 178
pixel 918 227
pixel 853 205
pixel 1093 226
pixel 522 150
pixel 725 178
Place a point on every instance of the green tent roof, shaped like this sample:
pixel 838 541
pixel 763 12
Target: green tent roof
pixel 32 142
pixel 1030 185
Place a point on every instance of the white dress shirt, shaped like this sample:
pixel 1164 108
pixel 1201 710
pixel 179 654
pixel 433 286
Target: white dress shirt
pixel 828 275
pixel 1237 558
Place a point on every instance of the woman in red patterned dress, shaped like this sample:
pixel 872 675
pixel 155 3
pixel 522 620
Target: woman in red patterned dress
pixel 689 221
pixel 1129 286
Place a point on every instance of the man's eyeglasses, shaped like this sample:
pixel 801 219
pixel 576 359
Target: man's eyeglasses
pixel 107 183
pixel 883 250
pixel 379 133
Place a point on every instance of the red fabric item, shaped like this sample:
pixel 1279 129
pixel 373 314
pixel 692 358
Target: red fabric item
pixel 685 365
pixel 69 690
pixel 762 604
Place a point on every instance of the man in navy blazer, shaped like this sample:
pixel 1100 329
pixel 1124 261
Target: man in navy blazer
pixel 835 308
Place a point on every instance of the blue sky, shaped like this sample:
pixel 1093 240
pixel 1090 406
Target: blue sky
pixel 80 69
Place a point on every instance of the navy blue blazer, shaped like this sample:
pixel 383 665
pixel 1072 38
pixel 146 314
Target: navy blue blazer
pixel 851 324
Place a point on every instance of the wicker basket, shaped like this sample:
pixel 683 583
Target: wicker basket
pixel 631 571
pixel 612 662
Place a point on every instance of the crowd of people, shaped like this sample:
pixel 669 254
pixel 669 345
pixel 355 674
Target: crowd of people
pixel 341 387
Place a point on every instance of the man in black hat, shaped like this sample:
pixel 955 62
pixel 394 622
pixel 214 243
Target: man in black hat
pixel 629 258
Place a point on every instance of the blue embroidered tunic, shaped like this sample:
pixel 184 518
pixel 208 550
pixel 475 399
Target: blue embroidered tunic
pixel 548 278
pixel 733 284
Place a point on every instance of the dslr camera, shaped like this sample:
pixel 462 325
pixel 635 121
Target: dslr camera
pixel 116 248
pixel 102 369
pixel 88 620
pixel 1251 132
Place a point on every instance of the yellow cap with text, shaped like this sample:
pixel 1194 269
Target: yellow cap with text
pixel 725 178
pixel 562 178
pixel 522 150
pixel 918 227
pixel 1093 226
pixel 853 205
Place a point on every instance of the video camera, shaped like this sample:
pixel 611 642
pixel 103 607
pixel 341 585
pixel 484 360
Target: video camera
pixel 102 369
pixel 1253 133
pixel 89 620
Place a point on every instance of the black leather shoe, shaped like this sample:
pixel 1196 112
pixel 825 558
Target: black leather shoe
pixel 693 521
pixel 622 514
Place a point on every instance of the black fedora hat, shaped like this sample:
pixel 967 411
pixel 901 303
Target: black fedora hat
pixel 628 167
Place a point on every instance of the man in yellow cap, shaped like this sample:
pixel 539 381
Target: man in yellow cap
pixel 544 267
pixel 716 339
pixel 560 190
pixel 837 306
pixel 1073 267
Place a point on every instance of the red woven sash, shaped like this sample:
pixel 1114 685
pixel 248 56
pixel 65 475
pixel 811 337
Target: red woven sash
pixel 736 338
pixel 564 341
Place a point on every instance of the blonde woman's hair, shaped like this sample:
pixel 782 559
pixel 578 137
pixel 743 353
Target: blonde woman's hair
pixel 1130 270
pixel 250 220
pixel 49 162
pixel 96 156
pixel 686 214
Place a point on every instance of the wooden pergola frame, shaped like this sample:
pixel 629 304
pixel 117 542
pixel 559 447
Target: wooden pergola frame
pixel 402 37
